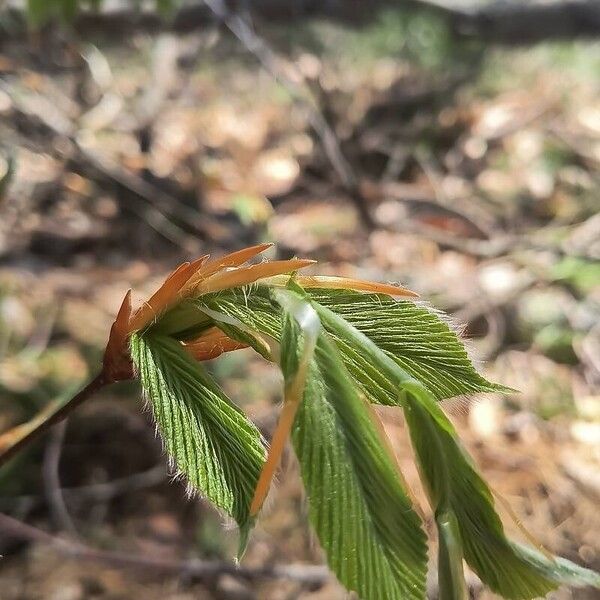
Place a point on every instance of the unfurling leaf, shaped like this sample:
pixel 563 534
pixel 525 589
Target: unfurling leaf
pixel 212 443
pixel 339 352
pixel 456 491
pixel 357 503
pixel 414 336
pixel 514 571
pixel 360 510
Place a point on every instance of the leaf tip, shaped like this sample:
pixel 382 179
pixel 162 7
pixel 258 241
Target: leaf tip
pixel 245 530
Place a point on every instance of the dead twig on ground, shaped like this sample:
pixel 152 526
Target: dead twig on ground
pixel 158 206
pixel 99 492
pixel 309 575
pixel 51 477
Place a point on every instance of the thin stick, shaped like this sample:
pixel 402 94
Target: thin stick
pixel 308 575
pixel 51 475
pixel 97 492
pixel 23 439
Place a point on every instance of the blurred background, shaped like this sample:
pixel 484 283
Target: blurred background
pixel 452 146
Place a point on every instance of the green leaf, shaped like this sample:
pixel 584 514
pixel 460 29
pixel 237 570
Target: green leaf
pixel 358 506
pixel 558 569
pixel 456 490
pixel 402 354
pixel 512 570
pixel 210 440
pixel 357 503
pixel 254 306
pixel 414 336
pixel 301 330
pixel 40 11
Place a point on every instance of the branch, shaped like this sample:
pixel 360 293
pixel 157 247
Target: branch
pixel 16 439
pixel 508 22
pixel 308 575
pixel 160 209
pixel 51 477
pixel 124 20
pixel 520 22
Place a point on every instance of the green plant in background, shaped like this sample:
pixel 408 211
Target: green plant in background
pixel 40 12
pixel 342 346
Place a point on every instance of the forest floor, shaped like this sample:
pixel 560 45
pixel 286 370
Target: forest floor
pixel 474 180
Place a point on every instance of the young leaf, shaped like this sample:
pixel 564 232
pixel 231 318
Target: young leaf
pixel 361 513
pixel 211 441
pixel 357 505
pixel 392 347
pixel 512 570
pixel 456 490
pixel 414 336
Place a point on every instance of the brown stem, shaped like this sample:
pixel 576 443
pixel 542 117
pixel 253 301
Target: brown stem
pixel 91 388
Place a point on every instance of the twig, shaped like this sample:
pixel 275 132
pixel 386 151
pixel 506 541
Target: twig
pixel 309 575
pixel 116 487
pixel 329 141
pixel 159 204
pixel 99 492
pixel 496 246
pixel 505 22
pixel 24 437
pixel 51 476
